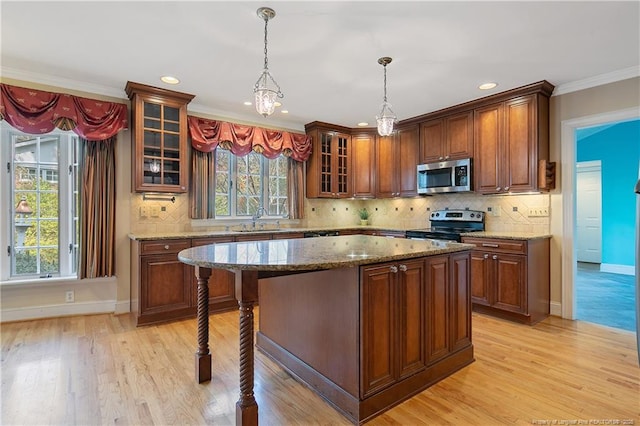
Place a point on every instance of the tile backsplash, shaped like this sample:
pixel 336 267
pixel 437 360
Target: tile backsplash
pixel 512 211
pixel 155 216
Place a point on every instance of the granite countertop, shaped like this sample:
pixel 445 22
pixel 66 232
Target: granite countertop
pixel 306 254
pixel 267 230
pixel 507 235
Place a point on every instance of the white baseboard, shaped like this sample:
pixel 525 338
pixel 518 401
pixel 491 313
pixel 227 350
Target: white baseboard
pixel 123 307
pixel 52 311
pixel 618 269
pixel 555 309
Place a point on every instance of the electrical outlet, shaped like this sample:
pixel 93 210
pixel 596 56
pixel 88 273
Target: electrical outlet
pixel 538 212
pixel 144 211
pixel 69 296
pixel 155 211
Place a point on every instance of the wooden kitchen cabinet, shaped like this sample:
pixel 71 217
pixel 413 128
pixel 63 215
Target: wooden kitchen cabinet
pixel 159 148
pixel 393 322
pixel 414 313
pixel 448 306
pixel 329 172
pixel 396 162
pixel 510 278
pixel 364 159
pixel 160 284
pixel 511 140
pixel 447 138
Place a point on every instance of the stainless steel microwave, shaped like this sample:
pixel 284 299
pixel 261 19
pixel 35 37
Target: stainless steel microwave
pixel 445 176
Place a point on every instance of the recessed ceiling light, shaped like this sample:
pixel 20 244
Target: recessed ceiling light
pixel 363 124
pixel 169 79
pixel 278 104
pixel 284 111
pixel 247 103
pixel 487 86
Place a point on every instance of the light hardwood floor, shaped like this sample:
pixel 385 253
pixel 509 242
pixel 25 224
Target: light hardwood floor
pixel 100 369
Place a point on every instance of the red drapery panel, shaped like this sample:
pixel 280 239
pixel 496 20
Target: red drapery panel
pixel 240 139
pixel 37 112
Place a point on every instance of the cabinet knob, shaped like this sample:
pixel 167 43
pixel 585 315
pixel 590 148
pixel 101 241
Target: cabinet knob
pixel 446 157
pixel 393 269
pixel 440 158
pixel 494 257
pixel 403 268
pixel 506 188
pixel 166 247
pixel 498 188
pixel 486 256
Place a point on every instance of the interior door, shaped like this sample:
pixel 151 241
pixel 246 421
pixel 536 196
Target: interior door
pixel 589 212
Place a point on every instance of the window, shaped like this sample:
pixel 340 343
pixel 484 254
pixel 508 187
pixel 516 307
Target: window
pixel 41 231
pixel 246 184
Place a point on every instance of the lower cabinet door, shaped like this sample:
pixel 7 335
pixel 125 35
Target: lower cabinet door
pixel 480 277
pixel 510 282
pixel 437 308
pixel 460 302
pixel 165 285
pixel 411 317
pixel 377 328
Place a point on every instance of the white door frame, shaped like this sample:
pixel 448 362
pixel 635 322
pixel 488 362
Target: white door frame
pixel 568 167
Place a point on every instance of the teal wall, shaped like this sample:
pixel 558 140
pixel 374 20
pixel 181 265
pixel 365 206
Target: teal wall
pixel 618 148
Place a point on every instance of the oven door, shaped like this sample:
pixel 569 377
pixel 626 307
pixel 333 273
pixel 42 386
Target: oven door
pixel 430 235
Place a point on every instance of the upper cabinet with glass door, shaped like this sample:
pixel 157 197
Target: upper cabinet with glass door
pixel 160 138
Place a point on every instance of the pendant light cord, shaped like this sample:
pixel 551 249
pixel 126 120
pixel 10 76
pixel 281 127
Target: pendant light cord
pixel 266 59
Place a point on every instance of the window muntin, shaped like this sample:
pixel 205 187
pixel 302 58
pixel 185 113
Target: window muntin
pixel 245 184
pixel 42 235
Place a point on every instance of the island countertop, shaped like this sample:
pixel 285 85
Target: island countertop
pixel 307 254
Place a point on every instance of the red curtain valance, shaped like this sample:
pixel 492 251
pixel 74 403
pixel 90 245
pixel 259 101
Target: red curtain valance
pixel 206 135
pixel 38 112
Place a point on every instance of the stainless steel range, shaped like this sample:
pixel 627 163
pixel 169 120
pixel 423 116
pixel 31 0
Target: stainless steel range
pixel 449 224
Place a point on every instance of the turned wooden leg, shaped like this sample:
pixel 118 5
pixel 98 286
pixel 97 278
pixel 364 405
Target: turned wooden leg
pixel 247 295
pixel 203 356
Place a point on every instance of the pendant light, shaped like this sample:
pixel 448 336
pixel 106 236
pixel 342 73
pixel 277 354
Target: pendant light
pixel 387 117
pixel 265 96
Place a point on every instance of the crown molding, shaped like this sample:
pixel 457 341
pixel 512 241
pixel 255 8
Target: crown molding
pixel 62 82
pixel 598 80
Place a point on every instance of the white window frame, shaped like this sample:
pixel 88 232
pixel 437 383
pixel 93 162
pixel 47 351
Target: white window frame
pixel 67 223
pixel 264 185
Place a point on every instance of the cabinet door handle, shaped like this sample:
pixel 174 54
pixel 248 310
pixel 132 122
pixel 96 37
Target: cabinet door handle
pixel 486 256
pixel 446 157
pixel 403 268
pixel 166 247
pixel 440 158
pixel 498 188
pixel 494 257
pixel 506 188
pixel 394 269
pixel 490 245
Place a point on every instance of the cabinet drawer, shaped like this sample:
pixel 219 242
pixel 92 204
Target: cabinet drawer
pixel 163 246
pixel 504 246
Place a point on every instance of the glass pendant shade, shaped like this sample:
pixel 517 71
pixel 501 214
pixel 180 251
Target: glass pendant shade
pixel 387 117
pixel 386 120
pixel 265 97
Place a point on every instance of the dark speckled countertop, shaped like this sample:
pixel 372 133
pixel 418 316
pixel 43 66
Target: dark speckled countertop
pixel 306 254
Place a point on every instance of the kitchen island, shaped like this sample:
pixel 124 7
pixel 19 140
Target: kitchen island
pixel 365 321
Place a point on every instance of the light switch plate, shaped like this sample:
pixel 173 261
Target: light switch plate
pixel 538 212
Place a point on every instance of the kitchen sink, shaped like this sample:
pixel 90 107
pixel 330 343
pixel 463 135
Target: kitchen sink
pixel 257 229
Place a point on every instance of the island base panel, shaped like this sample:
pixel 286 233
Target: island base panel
pixel 360 411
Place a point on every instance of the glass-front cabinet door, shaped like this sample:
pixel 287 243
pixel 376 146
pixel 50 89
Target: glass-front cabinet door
pixel 160 147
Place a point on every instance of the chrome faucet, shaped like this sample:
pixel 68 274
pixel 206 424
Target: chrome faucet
pixel 257 215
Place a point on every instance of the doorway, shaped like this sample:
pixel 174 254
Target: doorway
pixel 568 203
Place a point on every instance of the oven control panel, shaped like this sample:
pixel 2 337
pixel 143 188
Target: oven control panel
pixel 457 215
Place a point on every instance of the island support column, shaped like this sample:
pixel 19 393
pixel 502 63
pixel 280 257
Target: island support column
pixel 247 295
pixel 203 355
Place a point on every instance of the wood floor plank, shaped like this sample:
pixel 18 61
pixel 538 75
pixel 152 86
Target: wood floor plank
pixel 101 369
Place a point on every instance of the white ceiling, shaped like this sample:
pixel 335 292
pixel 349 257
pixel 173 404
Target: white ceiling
pixel 323 54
